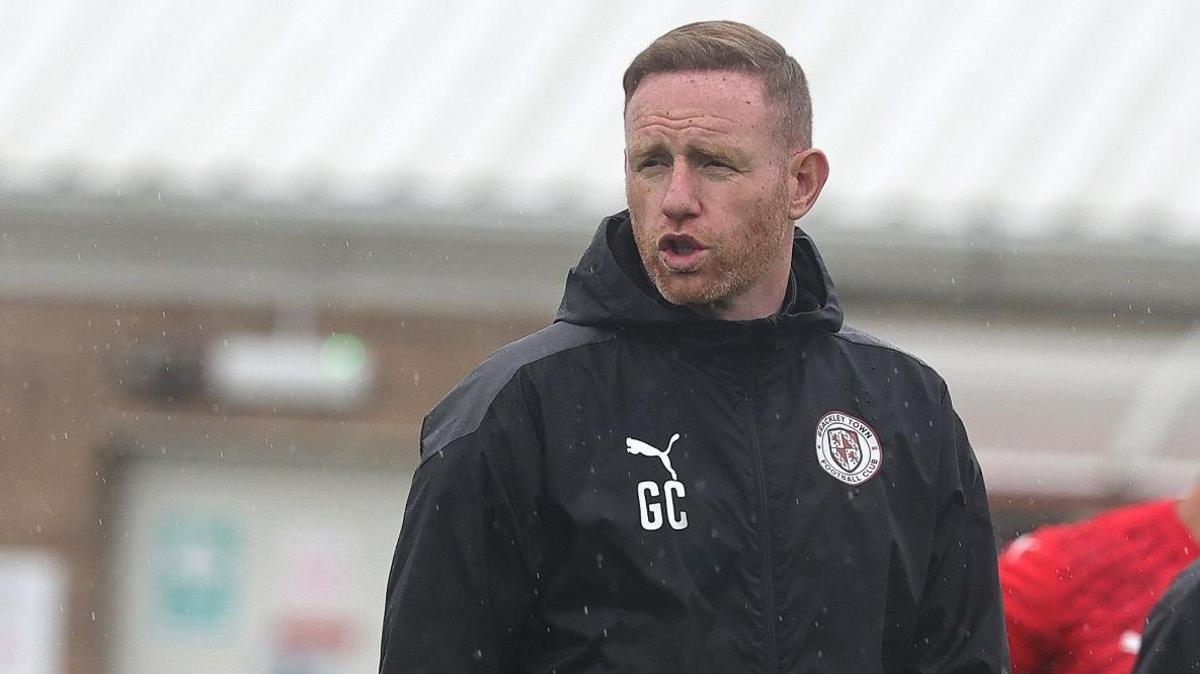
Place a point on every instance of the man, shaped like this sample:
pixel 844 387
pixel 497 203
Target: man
pixel 1076 595
pixel 1172 641
pixel 696 468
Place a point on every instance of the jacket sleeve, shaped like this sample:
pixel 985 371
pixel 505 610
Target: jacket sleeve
pixel 960 627
pixel 1171 643
pixel 463 583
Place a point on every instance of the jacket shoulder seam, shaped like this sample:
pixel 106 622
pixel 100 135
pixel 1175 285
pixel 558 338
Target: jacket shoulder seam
pixel 461 412
pixel 861 338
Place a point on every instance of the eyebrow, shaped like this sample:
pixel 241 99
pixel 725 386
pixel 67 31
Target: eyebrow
pixel 642 150
pixel 728 155
pixel 725 154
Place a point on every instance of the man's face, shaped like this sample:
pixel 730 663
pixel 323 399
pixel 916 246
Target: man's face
pixel 706 178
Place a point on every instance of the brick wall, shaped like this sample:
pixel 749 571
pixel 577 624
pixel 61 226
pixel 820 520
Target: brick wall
pixel 63 409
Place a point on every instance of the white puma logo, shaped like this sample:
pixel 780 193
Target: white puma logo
pixel 638 447
pixel 659 505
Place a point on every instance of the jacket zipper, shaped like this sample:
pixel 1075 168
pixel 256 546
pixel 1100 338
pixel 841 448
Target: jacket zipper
pixel 769 567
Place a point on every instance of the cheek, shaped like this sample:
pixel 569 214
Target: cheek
pixel 735 200
pixel 769 196
pixel 644 240
pixel 638 193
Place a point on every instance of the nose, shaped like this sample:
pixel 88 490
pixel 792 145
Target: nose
pixel 680 201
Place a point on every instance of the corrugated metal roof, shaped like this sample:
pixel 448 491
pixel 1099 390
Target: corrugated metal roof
pixel 1030 118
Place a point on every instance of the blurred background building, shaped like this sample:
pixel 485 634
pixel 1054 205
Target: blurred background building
pixel 244 246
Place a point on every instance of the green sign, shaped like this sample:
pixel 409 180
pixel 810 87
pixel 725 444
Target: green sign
pixel 196 569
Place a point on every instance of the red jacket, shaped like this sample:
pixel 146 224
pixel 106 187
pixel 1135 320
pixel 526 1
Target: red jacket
pixel 1076 596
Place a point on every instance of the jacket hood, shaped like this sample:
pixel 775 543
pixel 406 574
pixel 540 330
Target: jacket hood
pixel 610 288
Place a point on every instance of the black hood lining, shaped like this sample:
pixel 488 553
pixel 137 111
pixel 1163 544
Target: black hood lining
pixel 610 287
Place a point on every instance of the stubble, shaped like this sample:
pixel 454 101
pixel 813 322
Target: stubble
pixel 735 263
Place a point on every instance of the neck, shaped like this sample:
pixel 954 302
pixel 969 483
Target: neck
pixel 747 307
pixel 1189 512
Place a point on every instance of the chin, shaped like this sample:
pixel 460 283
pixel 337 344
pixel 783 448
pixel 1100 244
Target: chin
pixel 692 292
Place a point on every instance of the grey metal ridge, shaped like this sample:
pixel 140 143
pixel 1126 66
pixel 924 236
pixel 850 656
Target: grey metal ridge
pixel 249 252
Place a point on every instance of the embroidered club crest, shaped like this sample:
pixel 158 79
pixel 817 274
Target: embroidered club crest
pixel 848 448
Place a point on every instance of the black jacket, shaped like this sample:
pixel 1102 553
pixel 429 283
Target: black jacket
pixel 638 489
pixel 1171 643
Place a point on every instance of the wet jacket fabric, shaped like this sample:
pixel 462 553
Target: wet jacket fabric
pixel 1171 643
pixel 638 489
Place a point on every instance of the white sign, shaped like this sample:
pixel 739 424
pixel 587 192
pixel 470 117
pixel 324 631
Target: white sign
pixel 33 589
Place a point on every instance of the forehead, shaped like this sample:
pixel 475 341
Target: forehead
pixel 720 101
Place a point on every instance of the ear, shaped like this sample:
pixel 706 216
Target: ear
pixel 807 173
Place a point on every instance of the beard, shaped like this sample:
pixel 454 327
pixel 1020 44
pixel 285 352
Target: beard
pixel 736 260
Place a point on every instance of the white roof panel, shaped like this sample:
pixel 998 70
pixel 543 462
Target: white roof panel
pixel 1037 117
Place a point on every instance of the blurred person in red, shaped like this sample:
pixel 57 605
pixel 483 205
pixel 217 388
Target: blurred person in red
pixel 1172 641
pixel 1076 595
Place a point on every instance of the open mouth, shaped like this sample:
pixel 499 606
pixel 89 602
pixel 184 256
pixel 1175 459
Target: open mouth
pixel 680 252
